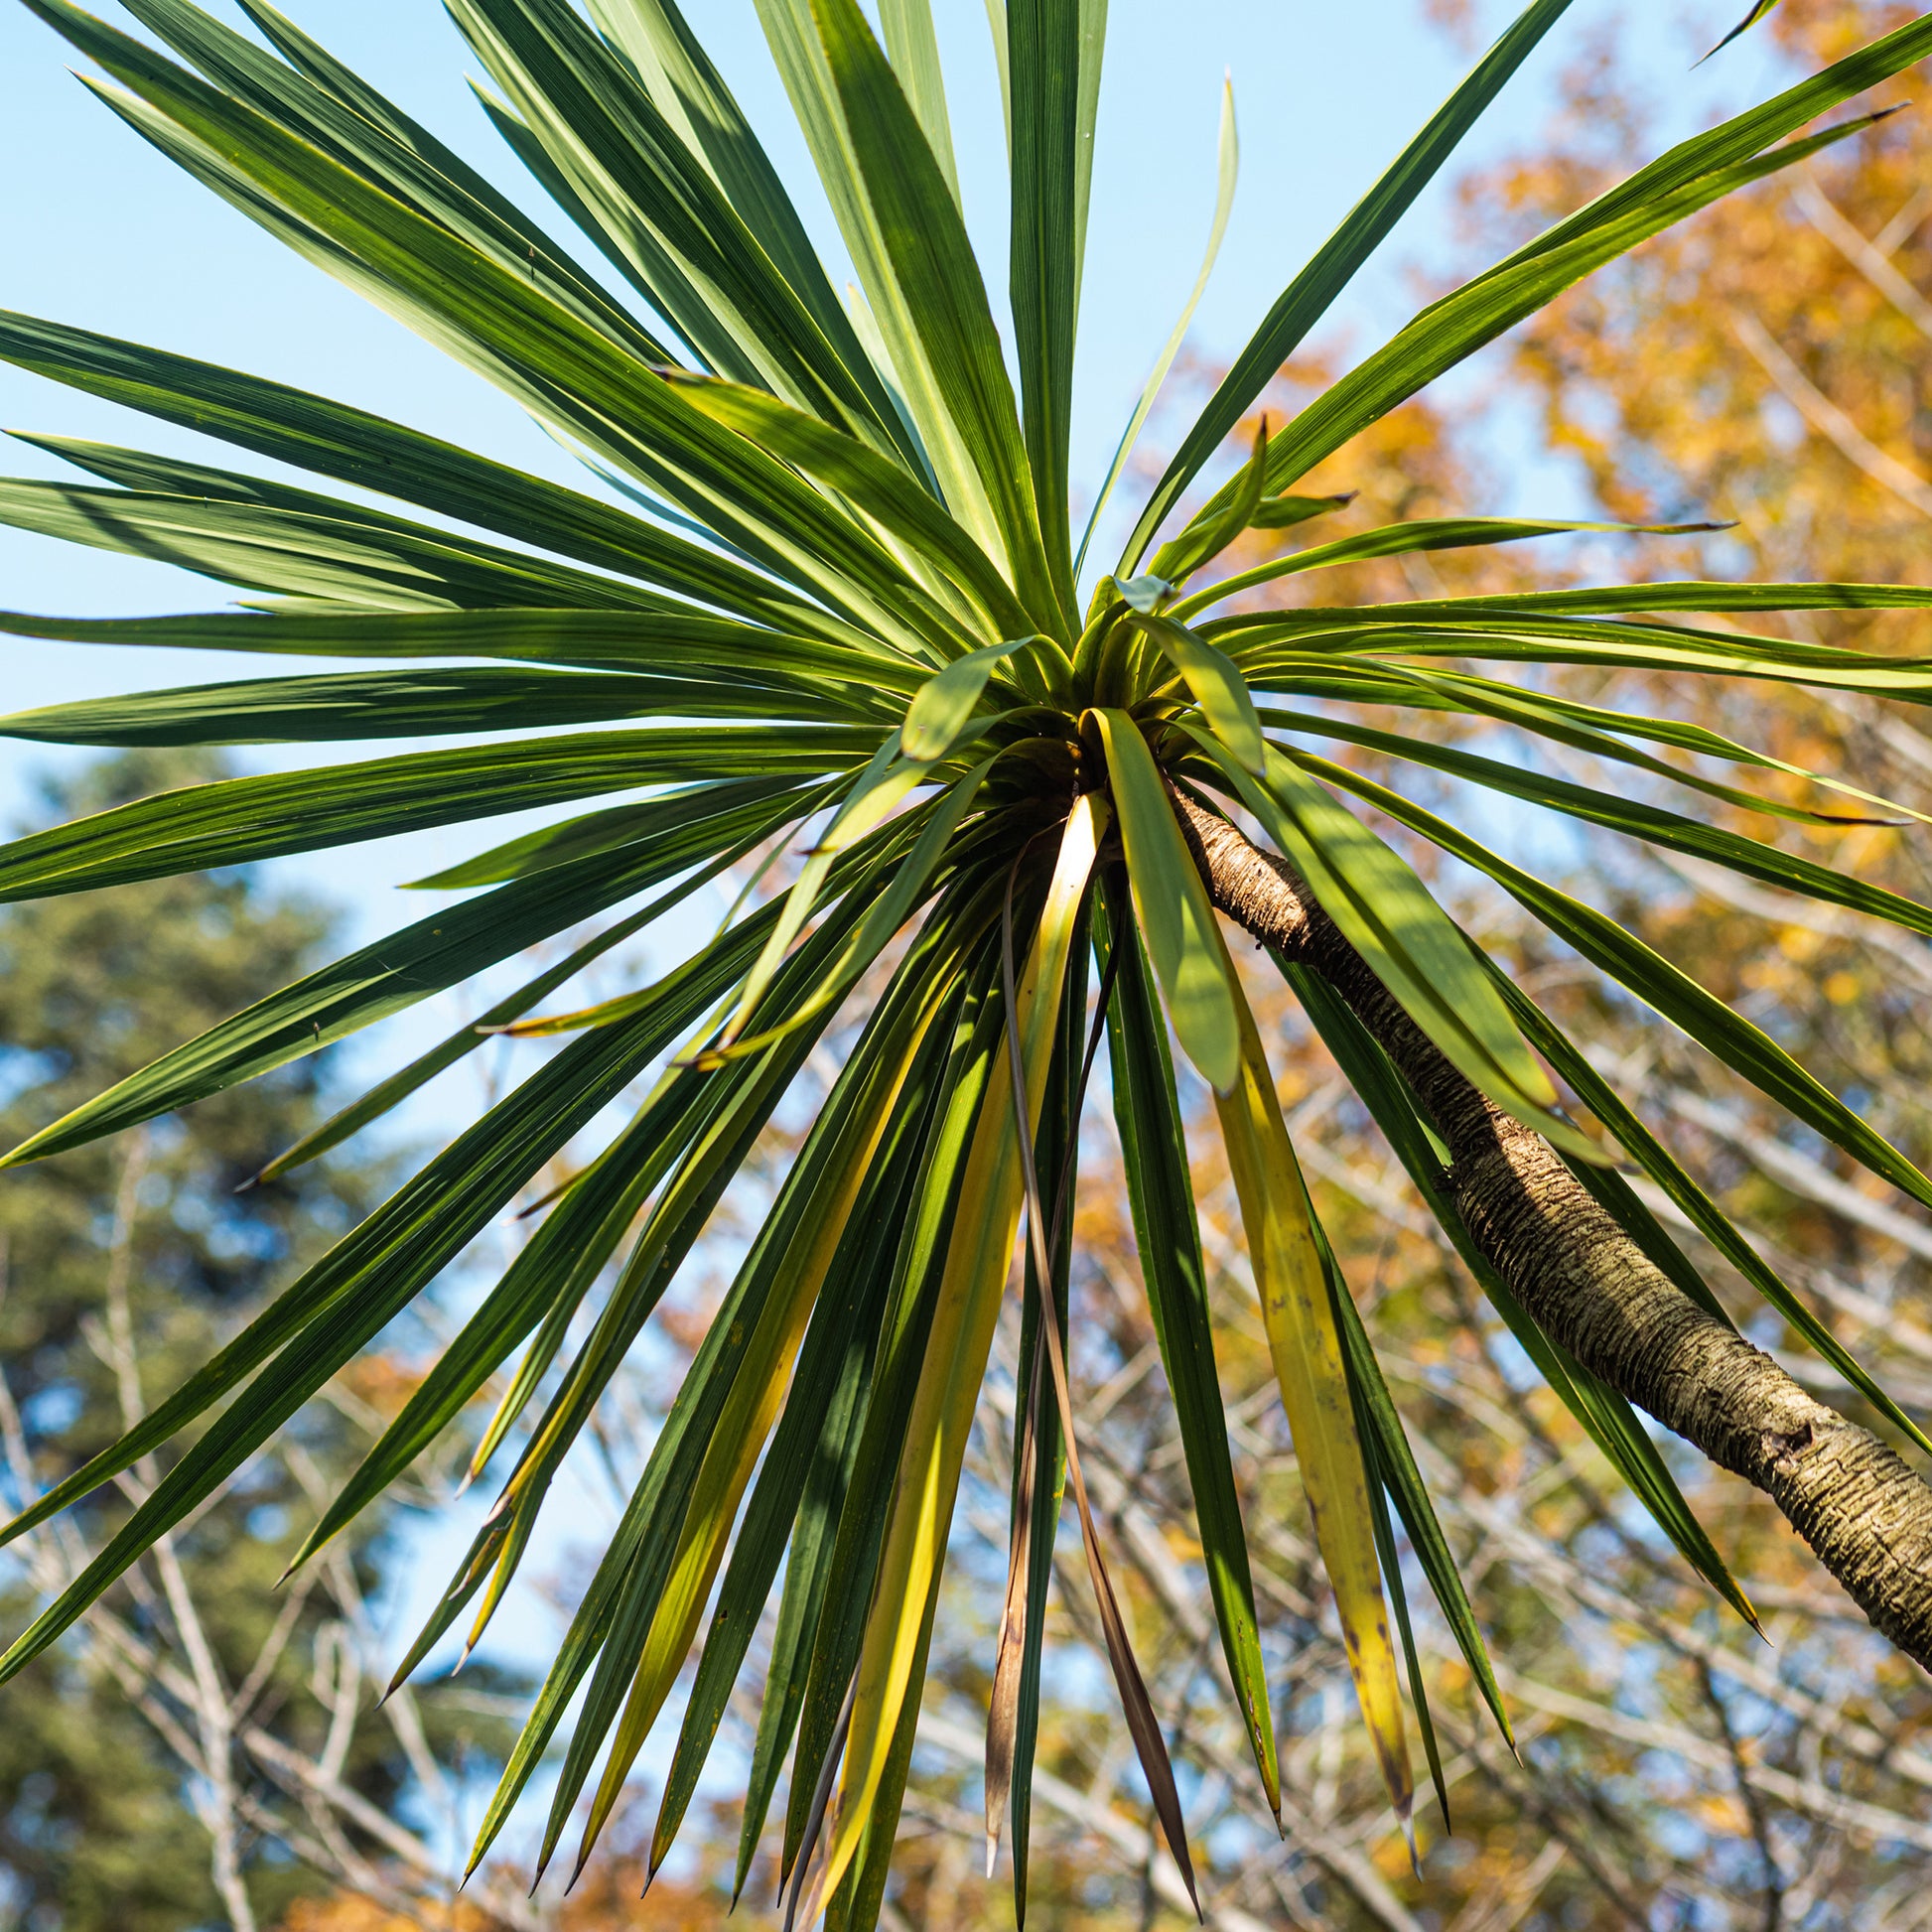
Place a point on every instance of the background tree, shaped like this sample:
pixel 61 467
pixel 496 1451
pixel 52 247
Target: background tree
pixel 209 1754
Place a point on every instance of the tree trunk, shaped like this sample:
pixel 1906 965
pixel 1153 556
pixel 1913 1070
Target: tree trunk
pixel 1860 1507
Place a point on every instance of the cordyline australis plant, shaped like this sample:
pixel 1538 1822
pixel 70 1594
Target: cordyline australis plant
pixel 847 546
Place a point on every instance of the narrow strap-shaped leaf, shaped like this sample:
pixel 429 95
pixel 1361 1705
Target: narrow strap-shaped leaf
pixel 793 34
pixel 617 1606
pixel 664 640
pixel 1283 512
pixel 1393 920
pixel 617 826
pixel 1391 1559
pixel 1306 299
pixel 1044 57
pixel 344 1303
pixel 1558 640
pixel 1743 1046
pixel 1606 1418
pixel 1171 905
pixel 688 90
pixel 1143 1724
pixel 1395 1471
pixel 1039 1451
pixel 1217 686
pixel 1598 732
pixel 1207 536
pixel 821 1415
pixel 944 703
pixel 962 1332
pixel 1453 328
pixel 855 1906
pixel 349 555
pixel 866 479
pixel 758 1391
pixel 1677 732
pixel 1404 539
pixel 355 447
pixel 825 1481
pixel 913 45
pixel 386 704
pixel 885 782
pixel 833 1622
pixel 1303 1343
pixel 397 971
pixel 923 240
pixel 1789 872
pixel 909 877
pixel 1228 171
pixel 1618 600
pixel 235 820
pixel 1166 1234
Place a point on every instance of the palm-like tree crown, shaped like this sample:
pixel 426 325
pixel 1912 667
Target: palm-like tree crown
pixel 845 547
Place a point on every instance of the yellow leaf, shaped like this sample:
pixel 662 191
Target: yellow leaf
pixel 968 1305
pixel 750 1411
pixel 1307 1352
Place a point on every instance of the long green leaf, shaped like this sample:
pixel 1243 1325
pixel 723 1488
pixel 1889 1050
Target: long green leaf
pixel 617 1606
pixel 1171 908
pixel 1604 1415
pixel 404 967
pixel 383 704
pixel 355 447
pixel 832 1609
pixel 1393 920
pixel 924 242
pixel 1046 58
pixel 325 1319
pixel 349 555
pixel 501 323
pixel 913 45
pixel 1453 328
pixel 1405 539
pixel 876 486
pixel 1788 871
pixel 821 1416
pixel 1155 1152
pixel 1306 299
pixel 687 88
pixel 1743 1046
pixel 666 642
pixel 235 820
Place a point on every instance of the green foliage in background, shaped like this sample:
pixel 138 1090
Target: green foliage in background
pixel 98 1833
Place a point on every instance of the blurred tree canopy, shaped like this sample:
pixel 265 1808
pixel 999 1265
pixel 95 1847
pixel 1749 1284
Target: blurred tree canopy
pixel 145 1782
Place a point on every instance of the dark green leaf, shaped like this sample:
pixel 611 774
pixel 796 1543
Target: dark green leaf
pixel 1153 1149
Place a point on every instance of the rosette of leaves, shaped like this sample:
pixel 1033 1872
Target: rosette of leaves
pixel 829 600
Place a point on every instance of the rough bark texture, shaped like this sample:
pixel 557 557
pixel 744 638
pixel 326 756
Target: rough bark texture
pixel 1860 1507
